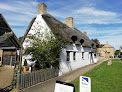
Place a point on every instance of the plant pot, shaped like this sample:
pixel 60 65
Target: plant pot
pixel 25 68
pixel 36 68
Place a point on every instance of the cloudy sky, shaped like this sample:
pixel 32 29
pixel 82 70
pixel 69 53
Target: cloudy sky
pixel 101 19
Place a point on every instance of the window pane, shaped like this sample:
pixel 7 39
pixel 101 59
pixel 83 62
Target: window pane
pixel 82 55
pixel 68 56
pixel 74 55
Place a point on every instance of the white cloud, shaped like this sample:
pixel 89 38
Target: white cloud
pixel 91 15
pixel 20 7
pixel 19 13
pixel 95 12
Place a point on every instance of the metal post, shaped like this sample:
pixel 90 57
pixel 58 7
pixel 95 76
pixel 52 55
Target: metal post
pixel 11 62
pixel 19 72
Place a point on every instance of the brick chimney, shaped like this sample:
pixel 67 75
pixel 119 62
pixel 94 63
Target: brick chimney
pixel 85 33
pixel 42 9
pixel 69 22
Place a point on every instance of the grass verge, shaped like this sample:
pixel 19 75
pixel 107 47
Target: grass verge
pixel 104 78
pixel 118 59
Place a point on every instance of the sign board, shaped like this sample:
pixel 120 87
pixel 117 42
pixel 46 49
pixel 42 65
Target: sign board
pixel 64 87
pixel 85 84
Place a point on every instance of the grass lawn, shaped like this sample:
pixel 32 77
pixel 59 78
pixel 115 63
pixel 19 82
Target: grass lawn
pixel 104 78
pixel 116 59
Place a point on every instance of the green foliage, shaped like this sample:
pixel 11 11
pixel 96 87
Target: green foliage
pixel 116 59
pixel 45 49
pixel 117 52
pixel 104 78
pixel 120 53
pixel 25 63
pixel 37 64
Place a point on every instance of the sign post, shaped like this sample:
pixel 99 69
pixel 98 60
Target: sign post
pixel 85 84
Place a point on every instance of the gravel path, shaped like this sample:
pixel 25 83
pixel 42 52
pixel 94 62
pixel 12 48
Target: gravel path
pixel 6 75
pixel 49 85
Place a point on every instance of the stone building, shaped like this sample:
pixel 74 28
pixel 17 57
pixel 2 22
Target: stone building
pixel 106 51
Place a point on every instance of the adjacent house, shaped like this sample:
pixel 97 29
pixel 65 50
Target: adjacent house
pixel 79 52
pixel 9 44
pixel 106 51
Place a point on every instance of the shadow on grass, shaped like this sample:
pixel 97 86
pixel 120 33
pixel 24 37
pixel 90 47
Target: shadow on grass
pixel 6 89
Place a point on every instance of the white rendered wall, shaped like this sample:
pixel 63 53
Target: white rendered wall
pixel 38 25
pixel 66 66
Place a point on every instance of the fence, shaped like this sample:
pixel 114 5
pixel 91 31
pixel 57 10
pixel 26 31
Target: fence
pixel 29 79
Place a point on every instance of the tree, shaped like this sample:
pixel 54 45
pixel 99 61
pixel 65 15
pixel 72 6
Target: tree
pixel 45 48
pixel 117 52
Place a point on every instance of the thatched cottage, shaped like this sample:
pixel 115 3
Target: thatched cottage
pixel 79 52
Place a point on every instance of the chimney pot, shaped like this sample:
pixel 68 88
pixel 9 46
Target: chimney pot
pixel 85 33
pixel 69 22
pixel 42 9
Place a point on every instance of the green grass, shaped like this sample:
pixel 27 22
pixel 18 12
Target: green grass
pixel 104 78
pixel 116 59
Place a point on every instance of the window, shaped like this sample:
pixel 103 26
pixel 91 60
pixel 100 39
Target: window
pixel 74 38
pixel 95 55
pixel 74 55
pixel 68 55
pixel 82 55
pixel 81 41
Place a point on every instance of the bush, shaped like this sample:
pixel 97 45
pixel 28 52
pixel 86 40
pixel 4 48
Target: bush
pixel 45 51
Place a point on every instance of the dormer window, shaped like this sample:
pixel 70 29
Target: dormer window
pixel 74 38
pixel 92 45
pixel 97 46
pixel 81 41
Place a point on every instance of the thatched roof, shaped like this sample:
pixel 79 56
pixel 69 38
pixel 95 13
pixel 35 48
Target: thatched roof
pixel 7 36
pixel 68 33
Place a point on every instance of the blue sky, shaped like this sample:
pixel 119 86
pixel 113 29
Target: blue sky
pixel 101 19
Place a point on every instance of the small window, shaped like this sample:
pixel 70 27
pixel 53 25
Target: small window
pixel 81 41
pixel 68 55
pixel 92 45
pixel 74 38
pixel 74 55
pixel 95 55
pixel 82 55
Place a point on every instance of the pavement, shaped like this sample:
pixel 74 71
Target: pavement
pixel 49 85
